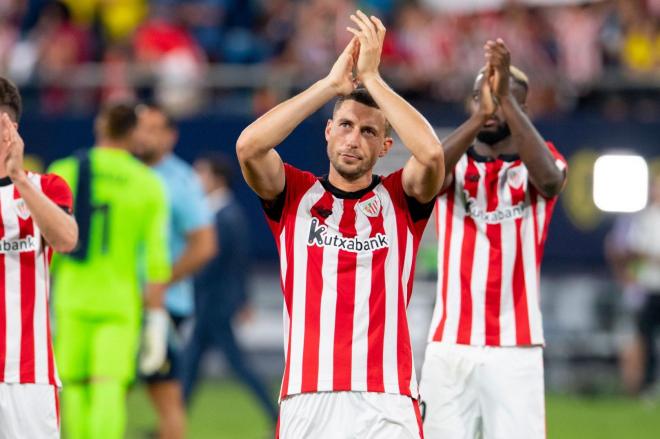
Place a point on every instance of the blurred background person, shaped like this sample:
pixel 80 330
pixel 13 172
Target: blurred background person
pixel 121 210
pixel 221 290
pixel 644 250
pixel 192 245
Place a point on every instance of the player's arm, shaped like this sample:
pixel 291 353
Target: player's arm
pixel 58 227
pixel 261 165
pixel 544 173
pixel 200 248
pixel 458 142
pixel 424 172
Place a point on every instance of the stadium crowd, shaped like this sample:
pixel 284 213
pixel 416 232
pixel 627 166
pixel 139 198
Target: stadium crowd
pixel 568 48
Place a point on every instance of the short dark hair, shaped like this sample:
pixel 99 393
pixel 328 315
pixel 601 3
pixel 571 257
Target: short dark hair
pixel 116 121
pixel 169 120
pixel 220 165
pixel 362 96
pixel 10 98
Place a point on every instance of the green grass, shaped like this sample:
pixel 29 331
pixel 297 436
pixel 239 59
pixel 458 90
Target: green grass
pixel 226 410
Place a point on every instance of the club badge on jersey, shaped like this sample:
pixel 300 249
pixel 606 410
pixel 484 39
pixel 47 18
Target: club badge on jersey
pixel 371 207
pixel 21 208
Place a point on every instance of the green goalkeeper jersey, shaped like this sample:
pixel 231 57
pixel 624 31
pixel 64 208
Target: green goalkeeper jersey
pixel 122 214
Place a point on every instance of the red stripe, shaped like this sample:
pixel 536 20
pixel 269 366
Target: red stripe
pixel 57 405
pixel 467 260
pixel 277 426
pixel 51 358
pixel 3 306
pixel 289 229
pixel 346 272
pixel 376 333
pixel 404 350
pixel 471 184
pixel 418 415
pixel 27 286
pixel 494 235
pixel 449 221
pixel 521 312
pixel 523 336
pixel 313 291
pixel 537 242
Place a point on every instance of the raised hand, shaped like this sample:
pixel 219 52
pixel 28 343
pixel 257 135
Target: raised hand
pixel 487 102
pixel 12 147
pixel 498 57
pixel 371 35
pixel 341 75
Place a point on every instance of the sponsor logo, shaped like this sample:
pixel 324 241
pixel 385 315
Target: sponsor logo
pixel 371 207
pixel 319 236
pixel 26 244
pixel 496 216
pixel 21 208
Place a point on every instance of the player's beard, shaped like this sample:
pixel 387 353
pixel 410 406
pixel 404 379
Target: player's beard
pixel 352 173
pixel 493 137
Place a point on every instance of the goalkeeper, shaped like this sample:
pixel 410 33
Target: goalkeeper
pixel 122 211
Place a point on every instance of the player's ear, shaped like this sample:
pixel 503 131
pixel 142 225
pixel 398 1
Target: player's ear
pixel 328 127
pixel 387 145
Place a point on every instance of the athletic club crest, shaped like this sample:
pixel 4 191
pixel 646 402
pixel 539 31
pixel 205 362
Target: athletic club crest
pixel 515 178
pixel 21 208
pixel 371 207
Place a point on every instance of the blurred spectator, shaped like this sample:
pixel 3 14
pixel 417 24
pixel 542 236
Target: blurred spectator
pixel 118 18
pixel 221 295
pixel 429 49
pixel 176 59
pixel 644 246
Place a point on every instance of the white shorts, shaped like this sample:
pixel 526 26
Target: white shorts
pixel 481 391
pixel 344 415
pixel 29 411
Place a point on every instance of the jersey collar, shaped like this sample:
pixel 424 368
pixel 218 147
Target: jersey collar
pixel 472 152
pixel 349 195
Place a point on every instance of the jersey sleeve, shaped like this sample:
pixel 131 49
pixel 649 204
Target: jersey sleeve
pixel 560 161
pixel 157 261
pixel 297 182
pixel 57 189
pixel 417 213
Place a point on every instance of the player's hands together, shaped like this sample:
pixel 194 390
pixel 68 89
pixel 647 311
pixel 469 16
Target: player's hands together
pixel 341 77
pixel 487 102
pixel 498 58
pixel 12 147
pixel 371 34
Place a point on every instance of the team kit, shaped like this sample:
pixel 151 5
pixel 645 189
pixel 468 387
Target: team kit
pixel 347 244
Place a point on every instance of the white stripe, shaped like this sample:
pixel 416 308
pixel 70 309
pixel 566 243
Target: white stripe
pixel 531 278
pixel 12 288
pixel 540 216
pixel 328 307
pixel 300 287
pixel 438 309
pixel 283 267
pixel 407 266
pixel 507 312
pixel 40 321
pixel 480 267
pixel 454 268
pixel 361 311
pixel 390 342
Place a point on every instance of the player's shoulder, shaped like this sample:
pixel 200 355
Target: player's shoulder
pixel 295 175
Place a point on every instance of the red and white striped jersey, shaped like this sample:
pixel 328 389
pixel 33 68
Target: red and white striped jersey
pixel 347 264
pixel 492 224
pixel 26 351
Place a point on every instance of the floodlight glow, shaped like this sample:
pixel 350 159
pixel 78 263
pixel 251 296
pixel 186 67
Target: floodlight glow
pixel 621 183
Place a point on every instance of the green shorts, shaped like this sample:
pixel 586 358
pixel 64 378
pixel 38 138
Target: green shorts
pixel 96 348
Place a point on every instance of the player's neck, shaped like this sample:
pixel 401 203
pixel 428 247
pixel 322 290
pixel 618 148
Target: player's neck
pixel 346 185
pixel 113 144
pixel 503 147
